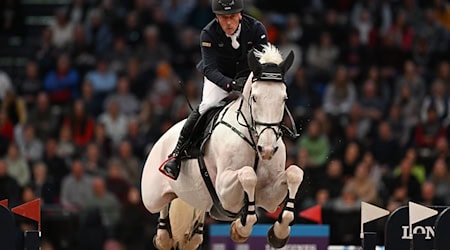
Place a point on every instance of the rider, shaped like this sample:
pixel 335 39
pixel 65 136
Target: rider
pixel 225 43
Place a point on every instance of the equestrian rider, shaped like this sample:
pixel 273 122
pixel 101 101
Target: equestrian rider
pixel 225 43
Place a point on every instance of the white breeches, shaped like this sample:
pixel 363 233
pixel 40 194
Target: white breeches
pixel 211 96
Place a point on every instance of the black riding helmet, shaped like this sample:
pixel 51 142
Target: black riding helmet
pixel 224 7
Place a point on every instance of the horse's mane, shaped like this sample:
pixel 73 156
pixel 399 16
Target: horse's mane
pixel 269 54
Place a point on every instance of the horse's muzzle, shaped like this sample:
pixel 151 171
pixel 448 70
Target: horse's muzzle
pixel 266 152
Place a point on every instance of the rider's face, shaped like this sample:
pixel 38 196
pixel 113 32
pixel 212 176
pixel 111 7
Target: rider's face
pixel 229 22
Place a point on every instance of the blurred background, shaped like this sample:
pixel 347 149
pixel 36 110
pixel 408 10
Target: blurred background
pixel 87 87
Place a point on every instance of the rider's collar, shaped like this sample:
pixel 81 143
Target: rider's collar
pixel 269 72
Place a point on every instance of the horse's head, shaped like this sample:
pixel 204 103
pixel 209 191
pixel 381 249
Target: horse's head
pixel 266 94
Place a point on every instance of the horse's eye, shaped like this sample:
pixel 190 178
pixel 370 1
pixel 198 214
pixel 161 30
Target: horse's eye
pixel 285 99
pixel 253 98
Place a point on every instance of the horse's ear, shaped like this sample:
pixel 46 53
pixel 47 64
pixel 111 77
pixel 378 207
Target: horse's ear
pixel 253 62
pixel 287 63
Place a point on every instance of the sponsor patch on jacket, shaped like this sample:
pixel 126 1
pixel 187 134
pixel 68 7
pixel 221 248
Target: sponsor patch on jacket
pixel 206 44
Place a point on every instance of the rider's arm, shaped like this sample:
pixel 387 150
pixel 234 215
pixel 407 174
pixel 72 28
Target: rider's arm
pixel 260 37
pixel 209 59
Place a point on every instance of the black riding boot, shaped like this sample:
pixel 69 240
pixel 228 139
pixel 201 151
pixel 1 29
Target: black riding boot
pixel 172 166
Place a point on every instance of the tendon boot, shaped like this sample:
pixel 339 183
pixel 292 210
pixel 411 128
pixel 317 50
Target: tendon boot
pixel 172 166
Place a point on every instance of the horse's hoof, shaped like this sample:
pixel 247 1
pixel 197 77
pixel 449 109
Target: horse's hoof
pixel 274 241
pixel 235 235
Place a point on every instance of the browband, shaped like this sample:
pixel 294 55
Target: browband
pixel 269 72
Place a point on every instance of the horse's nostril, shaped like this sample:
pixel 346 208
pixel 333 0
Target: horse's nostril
pixel 260 148
pixel 275 149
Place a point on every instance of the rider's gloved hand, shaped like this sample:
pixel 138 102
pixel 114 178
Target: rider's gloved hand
pixel 237 85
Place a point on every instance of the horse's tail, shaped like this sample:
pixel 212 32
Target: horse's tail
pixel 186 223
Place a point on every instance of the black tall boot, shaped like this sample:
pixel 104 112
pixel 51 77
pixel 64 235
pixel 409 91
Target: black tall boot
pixel 172 166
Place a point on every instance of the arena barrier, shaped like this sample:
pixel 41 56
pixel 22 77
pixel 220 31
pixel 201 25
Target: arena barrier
pixel 415 227
pixel 11 237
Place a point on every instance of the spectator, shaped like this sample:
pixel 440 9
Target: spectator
pixel 5 84
pixel 322 56
pixel 428 195
pixel 15 108
pixel 303 98
pixel 66 147
pixel 103 80
pixel 31 147
pixel 340 94
pixel 9 188
pixel 384 148
pixel 57 168
pixel 132 31
pixel 76 189
pixel 62 83
pixel 200 15
pixel 105 202
pixel 351 159
pixel 137 139
pixel 439 99
pixel 94 164
pixel 6 126
pixel 153 50
pixel 362 185
pixel 428 131
pixel 44 118
pixel 128 103
pixel 139 79
pixel 80 124
pixel 30 85
pixel 131 167
pixel 92 105
pixel 43 186
pixel 120 54
pixel 333 180
pixel 412 79
pixel 62 30
pixel 17 166
pixel 440 177
pixel 373 106
pixel 316 144
pixel 408 105
pixel 80 51
pixel 405 179
pixel 187 54
pixel 114 121
pixel 98 34
pixel 443 75
pixel 77 11
pixel 116 183
pixel 103 140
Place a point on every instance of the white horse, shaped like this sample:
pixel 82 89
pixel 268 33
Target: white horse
pixel 246 162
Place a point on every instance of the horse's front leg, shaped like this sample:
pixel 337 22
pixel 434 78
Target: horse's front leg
pixel 278 234
pixel 246 176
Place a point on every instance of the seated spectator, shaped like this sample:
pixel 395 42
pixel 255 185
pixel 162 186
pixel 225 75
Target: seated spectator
pixel 406 179
pixel 385 148
pixel 316 143
pixel 17 166
pixel 9 188
pixel 351 158
pixel 76 189
pixel 116 183
pixel 43 186
pixel 15 108
pixel 103 140
pixel 62 30
pixel 413 80
pixel 440 177
pixel 98 34
pixel 103 79
pixel 137 139
pixel 93 162
pixel 303 98
pixel 66 148
pixel 429 131
pixel 428 195
pixel 80 51
pixel 92 105
pixel 163 91
pixel 62 83
pixel 321 56
pixel 400 130
pixel 31 147
pixel 340 94
pixel 30 85
pixel 128 102
pixel 81 124
pixel 105 202
pixel 131 167
pixel 362 185
pixel 57 168
pixel 115 122
pixel 347 202
pixel 44 118
pixel 120 55
pixel 440 100
pixel 6 126
pixel 153 50
pixel 333 181
pixel 373 106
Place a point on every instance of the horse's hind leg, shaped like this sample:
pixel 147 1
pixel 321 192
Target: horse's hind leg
pixel 278 234
pixel 163 238
pixel 242 227
pixel 196 237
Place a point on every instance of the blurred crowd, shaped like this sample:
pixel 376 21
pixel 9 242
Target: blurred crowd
pixel 369 89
